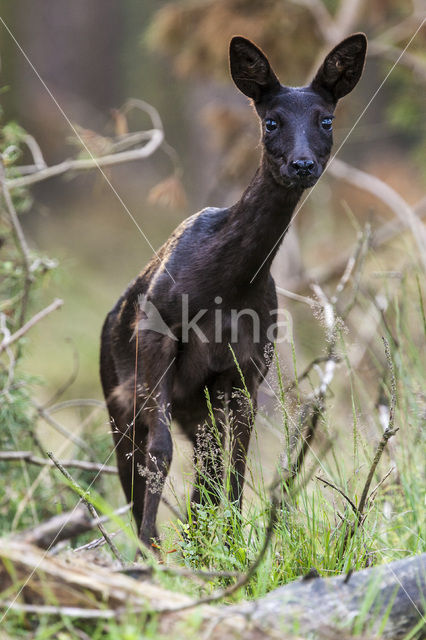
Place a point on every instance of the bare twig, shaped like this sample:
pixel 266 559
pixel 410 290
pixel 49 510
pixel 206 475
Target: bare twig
pixel 295 296
pixel 10 456
pixel 141 105
pixel 314 406
pixel 172 508
pixel 4 329
pixel 350 265
pixel 83 495
pixel 321 15
pixel 404 28
pixel 28 325
pixel 308 369
pixel 155 138
pixel 379 484
pixel 95 544
pixel 342 493
pixel 138 570
pixel 346 19
pixel 388 433
pixel 76 402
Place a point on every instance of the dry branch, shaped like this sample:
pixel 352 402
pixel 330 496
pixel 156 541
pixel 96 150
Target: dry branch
pixel 155 139
pixel 28 456
pixel 28 325
pixel 309 605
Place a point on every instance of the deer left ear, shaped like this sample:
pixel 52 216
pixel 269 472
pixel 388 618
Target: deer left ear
pixel 250 69
pixel 342 68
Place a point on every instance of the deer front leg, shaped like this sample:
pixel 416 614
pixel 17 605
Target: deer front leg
pixel 242 414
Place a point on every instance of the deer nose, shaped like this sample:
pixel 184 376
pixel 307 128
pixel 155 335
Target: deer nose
pixel 303 167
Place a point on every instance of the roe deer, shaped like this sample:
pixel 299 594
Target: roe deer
pixel 167 339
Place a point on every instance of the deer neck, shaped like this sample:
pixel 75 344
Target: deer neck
pixel 258 222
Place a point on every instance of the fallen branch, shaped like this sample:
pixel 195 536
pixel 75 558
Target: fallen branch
pixel 65 526
pixel 395 594
pixel 317 606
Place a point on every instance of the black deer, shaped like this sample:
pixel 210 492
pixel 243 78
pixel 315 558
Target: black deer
pixel 167 340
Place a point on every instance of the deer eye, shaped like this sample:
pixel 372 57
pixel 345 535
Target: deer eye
pixel 270 125
pixel 327 123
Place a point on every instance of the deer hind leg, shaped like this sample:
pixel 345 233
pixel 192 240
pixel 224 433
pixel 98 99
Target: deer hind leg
pixel 155 412
pixel 120 401
pixel 130 436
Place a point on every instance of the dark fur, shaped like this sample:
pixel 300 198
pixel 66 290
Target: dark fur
pixel 213 253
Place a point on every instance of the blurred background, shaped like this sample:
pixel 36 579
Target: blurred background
pixel 173 55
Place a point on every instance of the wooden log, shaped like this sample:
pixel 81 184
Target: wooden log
pixel 387 600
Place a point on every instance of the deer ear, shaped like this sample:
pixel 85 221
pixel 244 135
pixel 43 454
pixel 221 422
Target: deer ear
pixel 342 68
pixel 250 69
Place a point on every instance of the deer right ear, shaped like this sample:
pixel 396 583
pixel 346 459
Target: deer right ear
pixel 250 69
pixel 342 68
